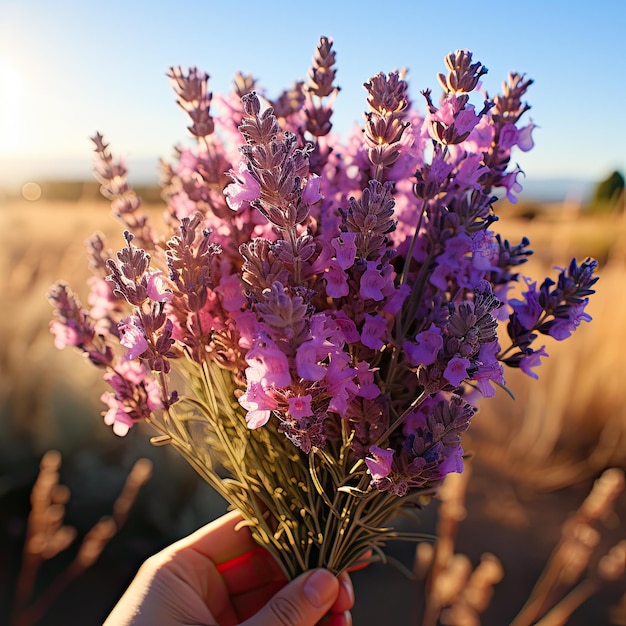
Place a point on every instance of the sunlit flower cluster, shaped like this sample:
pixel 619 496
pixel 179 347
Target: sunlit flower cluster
pixel 350 294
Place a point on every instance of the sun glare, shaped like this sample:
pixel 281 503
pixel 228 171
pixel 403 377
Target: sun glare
pixel 11 98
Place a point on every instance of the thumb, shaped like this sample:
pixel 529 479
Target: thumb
pixel 302 602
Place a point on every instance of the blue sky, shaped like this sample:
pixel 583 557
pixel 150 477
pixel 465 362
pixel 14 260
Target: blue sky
pixel 70 67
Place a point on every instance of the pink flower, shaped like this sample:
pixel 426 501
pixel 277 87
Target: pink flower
pixel 182 205
pixel 258 403
pixel 100 297
pixel 231 290
pixel 300 406
pixel 131 371
pixel 64 334
pixel 270 361
pixel 379 464
pixel 247 326
pixel 133 337
pixel 456 370
pixel 117 415
pixel 157 288
pixel 187 163
pixel 243 190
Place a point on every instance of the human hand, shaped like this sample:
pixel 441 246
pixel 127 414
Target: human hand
pixel 219 575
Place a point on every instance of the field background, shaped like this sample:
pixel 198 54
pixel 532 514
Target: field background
pixel 534 458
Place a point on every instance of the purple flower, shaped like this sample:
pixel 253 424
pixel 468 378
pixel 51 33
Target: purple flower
pixel 307 361
pixel 340 385
pixel 531 359
pixel 336 280
pixel 562 327
pixel 134 397
pixel 426 347
pixel 100 297
pixel 347 327
pixel 509 136
pixel 485 250
pixel 372 282
pixel 465 120
pixel 489 369
pixel 529 310
pixel 311 192
pixel 509 182
pixel 345 249
pixel 395 297
pixel 300 406
pixel 326 287
pixel 456 371
pixel 379 464
pixel 374 332
pixel 525 140
pixel 368 389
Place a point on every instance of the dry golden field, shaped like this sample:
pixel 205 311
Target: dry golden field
pixel 533 461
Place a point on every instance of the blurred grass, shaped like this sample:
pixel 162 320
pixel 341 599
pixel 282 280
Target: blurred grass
pixel 561 431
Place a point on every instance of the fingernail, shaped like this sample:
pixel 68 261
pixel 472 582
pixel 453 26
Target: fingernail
pixel 347 585
pixel 320 588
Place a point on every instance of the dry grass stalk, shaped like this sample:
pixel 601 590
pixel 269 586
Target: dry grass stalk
pixel 560 585
pixel 610 568
pixel 455 594
pixel 47 536
pixel 475 596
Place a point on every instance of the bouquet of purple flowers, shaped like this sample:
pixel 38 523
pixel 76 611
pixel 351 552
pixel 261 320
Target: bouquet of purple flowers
pixel 319 316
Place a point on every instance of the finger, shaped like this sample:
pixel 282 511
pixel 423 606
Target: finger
pixel 219 541
pixel 302 602
pixel 345 597
pixel 251 579
pixel 248 571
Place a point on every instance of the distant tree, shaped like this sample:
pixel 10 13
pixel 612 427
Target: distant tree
pixel 608 195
